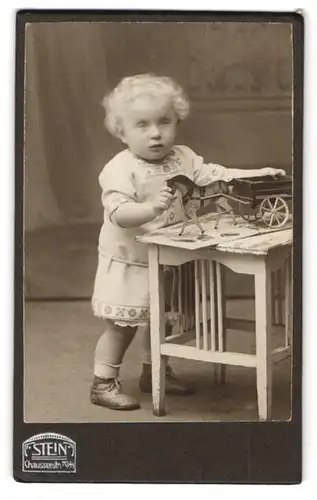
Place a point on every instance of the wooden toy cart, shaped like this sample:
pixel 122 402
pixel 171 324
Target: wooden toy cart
pixel 258 199
pixel 264 199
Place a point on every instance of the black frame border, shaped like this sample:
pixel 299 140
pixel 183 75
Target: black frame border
pixel 215 452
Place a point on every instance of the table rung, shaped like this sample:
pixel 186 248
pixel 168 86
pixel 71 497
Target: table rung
pixel 181 338
pixel 225 358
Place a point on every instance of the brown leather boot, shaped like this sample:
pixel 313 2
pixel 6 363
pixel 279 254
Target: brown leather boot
pixel 173 384
pixel 107 393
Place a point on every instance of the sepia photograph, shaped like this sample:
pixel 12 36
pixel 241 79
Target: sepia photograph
pixel 158 165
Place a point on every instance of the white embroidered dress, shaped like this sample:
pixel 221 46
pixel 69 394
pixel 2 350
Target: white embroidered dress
pixel 121 290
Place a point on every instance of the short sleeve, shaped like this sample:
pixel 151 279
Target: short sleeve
pixel 203 173
pixel 206 173
pixel 117 184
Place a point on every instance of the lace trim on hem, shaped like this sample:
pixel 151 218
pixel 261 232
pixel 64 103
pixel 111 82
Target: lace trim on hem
pixel 127 315
pixel 123 323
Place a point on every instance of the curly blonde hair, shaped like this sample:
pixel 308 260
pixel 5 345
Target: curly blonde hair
pixel 146 84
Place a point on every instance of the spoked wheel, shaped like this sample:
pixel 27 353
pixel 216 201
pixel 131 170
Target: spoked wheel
pixel 248 213
pixel 274 211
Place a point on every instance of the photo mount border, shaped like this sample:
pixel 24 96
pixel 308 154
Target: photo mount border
pixel 169 452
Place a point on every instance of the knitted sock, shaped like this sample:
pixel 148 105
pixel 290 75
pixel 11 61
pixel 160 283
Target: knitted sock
pixel 110 350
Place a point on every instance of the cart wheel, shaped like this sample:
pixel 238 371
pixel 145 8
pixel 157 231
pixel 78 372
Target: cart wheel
pixel 274 211
pixel 248 213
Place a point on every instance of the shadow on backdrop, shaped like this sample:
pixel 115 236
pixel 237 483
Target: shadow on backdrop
pixel 239 81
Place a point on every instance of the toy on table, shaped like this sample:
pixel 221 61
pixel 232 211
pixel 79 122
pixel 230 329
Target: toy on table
pixel 264 199
pixel 190 191
pixel 186 188
pixel 258 199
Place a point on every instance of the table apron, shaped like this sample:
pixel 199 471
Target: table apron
pixel 239 263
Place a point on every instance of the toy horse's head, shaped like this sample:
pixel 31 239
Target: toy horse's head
pixel 190 190
pixel 184 185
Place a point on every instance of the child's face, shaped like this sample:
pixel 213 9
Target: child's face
pixel 149 127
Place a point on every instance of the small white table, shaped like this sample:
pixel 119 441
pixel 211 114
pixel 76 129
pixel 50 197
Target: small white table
pixel 243 249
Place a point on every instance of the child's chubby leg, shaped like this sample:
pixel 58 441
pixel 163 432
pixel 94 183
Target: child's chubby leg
pixel 173 384
pixel 111 347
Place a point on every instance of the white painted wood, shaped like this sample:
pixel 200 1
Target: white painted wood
pixel 252 257
pixel 279 301
pixel 192 294
pixel 223 368
pixel 219 306
pixel 191 238
pixel 186 296
pixel 197 305
pixel 204 303
pixel 180 284
pixel 181 338
pixel 227 358
pixel 263 316
pixel 212 306
pixel 273 286
pixel 157 306
pixel 242 264
pixel 259 244
pixel 173 291
pixel 240 239
pixel 189 291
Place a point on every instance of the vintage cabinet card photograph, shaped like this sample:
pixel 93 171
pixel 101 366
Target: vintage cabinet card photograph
pixel 158 247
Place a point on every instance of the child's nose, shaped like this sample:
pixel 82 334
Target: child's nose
pixel 155 132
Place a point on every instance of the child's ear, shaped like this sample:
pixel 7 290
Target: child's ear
pixel 122 139
pixel 121 135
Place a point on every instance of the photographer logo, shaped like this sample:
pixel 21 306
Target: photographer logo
pixel 49 452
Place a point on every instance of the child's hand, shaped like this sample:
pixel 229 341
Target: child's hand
pixel 275 172
pixel 163 200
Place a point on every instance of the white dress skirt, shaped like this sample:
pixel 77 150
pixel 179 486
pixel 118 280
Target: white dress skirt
pixel 121 292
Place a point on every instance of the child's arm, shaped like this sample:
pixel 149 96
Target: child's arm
pixel 206 173
pixel 203 173
pixel 133 214
pixel 259 172
pixel 119 196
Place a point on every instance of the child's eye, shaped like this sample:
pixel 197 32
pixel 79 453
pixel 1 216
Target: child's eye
pixel 165 121
pixel 141 124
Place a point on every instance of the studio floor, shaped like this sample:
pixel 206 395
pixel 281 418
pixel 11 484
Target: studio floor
pixel 60 339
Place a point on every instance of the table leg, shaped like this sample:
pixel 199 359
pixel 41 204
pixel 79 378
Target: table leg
pixel 279 278
pixel 263 317
pixel 220 372
pixel 223 368
pixel 157 308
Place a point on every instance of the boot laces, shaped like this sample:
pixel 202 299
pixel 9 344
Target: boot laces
pixel 114 386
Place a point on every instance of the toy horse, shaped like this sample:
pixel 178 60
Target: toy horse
pixel 219 191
